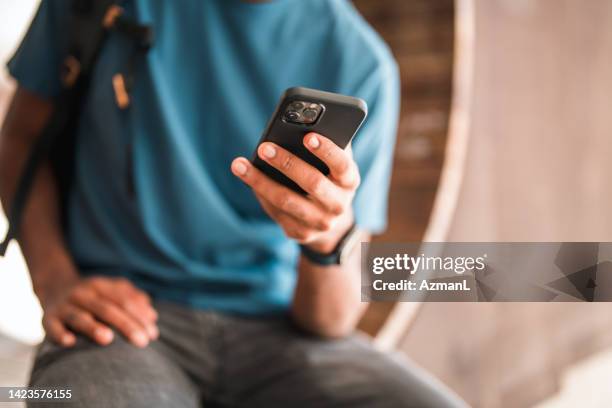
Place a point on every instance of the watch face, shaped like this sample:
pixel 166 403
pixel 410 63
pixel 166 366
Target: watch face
pixel 349 244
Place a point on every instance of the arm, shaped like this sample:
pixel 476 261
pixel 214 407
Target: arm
pixel 70 304
pixel 40 236
pixel 327 298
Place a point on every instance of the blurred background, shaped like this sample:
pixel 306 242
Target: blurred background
pixel 505 135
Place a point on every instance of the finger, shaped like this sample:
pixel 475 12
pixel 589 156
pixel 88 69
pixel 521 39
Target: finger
pixel 124 286
pixel 292 227
pixel 84 323
pixel 342 167
pixel 309 178
pixel 55 329
pixel 271 210
pixel 284 199
pixel 139 302
pixel 131 300
pixel 107 312
pixel 296 230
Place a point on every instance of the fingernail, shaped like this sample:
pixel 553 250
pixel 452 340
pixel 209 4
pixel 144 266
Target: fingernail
pixel 139 338
pixel 153 332
pixel 239 168
pixel 269 151
pixel 313 142
pixel 104 335
pixel 68 340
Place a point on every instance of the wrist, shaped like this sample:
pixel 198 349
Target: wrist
pixel 329 241
pixel 52 277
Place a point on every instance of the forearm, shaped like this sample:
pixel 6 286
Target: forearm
pixel 40 234
pixel 327 299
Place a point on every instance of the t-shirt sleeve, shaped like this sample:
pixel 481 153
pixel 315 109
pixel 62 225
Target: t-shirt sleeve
pixel 36 63
pixel 374 145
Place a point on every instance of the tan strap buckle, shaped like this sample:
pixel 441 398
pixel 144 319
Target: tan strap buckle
pixel 111 16
pixel 122 97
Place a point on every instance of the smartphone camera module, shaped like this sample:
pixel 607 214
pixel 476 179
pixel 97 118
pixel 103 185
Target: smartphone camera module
pixel 292 116
pixel 303 113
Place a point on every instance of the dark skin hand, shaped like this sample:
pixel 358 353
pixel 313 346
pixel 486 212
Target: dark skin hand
pixel 71 304
pixel 92 306
pixel 327 298
pixel 311 219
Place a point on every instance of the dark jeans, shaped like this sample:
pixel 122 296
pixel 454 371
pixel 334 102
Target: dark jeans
pixel 204 358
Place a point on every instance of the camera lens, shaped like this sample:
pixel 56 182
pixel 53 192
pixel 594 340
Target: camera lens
pixel 292 116
pixel 310 114
pixel 297 105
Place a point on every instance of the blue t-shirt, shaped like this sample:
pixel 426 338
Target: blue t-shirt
pixel 184 228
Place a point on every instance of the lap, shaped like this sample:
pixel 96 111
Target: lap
pixel 275 369
pixel 236 362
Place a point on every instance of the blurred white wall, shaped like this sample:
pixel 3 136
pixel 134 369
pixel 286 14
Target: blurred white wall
pixel 540 130
pixel 19 310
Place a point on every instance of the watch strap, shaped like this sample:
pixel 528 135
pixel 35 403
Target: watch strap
pixel 335 256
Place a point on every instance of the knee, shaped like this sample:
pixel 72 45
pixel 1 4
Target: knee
pixel 84 362
pixel 118 375
pixel 404 385
pixel 355 373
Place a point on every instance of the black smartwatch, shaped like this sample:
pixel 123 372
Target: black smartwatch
pixel 337 256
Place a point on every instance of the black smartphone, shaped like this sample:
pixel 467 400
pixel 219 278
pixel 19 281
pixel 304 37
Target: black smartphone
pixel 303 110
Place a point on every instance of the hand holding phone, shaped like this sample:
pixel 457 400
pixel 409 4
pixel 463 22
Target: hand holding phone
pixel 306 180
pixel 302 110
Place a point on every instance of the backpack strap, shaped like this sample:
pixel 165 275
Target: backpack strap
pixel 90 22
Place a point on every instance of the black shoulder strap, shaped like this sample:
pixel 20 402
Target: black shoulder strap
pixel 90 22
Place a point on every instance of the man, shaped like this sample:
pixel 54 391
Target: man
pixel 179 281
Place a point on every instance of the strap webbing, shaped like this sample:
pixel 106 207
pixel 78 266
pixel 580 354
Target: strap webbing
pixel 87 36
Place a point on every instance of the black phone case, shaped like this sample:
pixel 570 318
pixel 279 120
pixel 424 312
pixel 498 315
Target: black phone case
pixel 341 118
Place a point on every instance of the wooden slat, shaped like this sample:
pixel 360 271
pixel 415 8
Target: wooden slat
pixel 420 34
